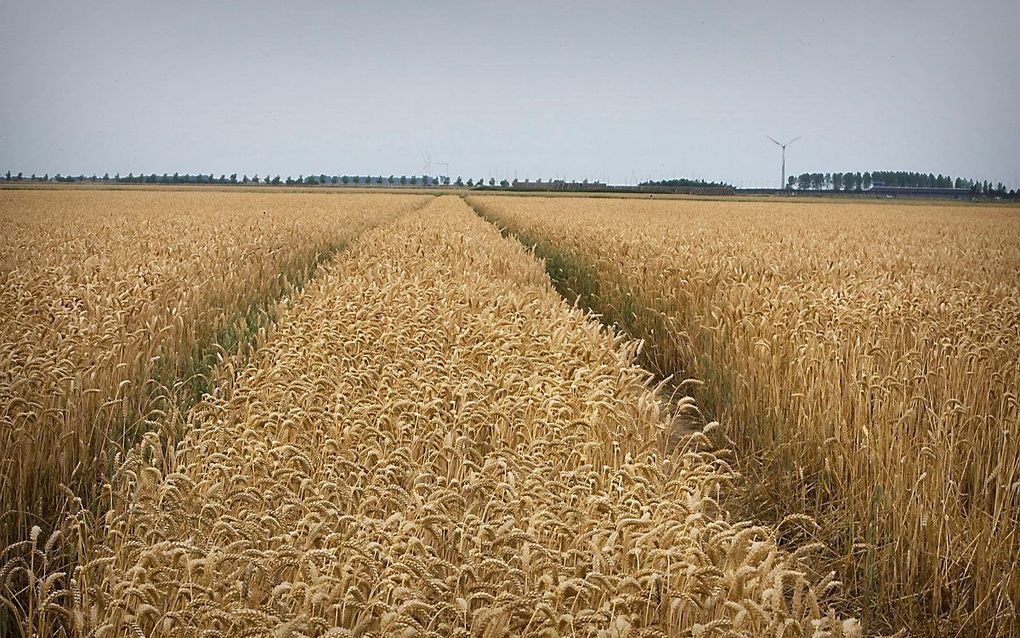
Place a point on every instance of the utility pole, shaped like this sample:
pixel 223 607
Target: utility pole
pixel 782 179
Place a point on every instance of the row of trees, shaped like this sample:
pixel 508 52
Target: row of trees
pixel 831 181
pixel 312 180
pixel 683 182
pixel 202 178
pixel 321 179
pixel 905 179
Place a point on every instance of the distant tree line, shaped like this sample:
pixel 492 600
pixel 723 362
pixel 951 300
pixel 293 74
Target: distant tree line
pixel 314 180
pixel 271 180
pixel 268 179
pixel 683 182
pixel 844 182
pixel 904 179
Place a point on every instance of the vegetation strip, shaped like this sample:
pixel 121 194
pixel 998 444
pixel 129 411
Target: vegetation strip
pixel 184 383
pixel 577 281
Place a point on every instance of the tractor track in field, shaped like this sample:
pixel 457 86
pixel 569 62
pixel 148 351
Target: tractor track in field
pixel 569 276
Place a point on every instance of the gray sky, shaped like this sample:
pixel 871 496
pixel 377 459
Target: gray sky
pixel 598 90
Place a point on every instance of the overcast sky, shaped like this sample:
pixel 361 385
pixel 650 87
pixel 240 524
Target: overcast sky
pixel 613 91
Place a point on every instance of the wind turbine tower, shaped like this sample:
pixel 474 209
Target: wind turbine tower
pixel 782 183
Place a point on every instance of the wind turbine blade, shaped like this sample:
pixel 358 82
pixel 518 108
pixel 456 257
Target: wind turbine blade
pixel 773 140
pixel 794 140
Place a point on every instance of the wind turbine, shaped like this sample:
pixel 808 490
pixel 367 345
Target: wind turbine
pixel 782 183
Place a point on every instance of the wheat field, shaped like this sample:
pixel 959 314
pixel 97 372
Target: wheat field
pixel 293 414
pixel 110 301
pixel 864 358
pixel 432 442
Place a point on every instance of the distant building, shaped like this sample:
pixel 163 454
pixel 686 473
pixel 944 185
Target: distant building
pixel 907 192
pixel 881 190
pixel 558 185
pixel 708 191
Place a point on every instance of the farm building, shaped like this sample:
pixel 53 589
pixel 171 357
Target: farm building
pixel 920 192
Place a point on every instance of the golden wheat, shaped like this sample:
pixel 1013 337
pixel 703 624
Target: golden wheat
pixel 105 298
pixel 434 443
pixel 866 357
